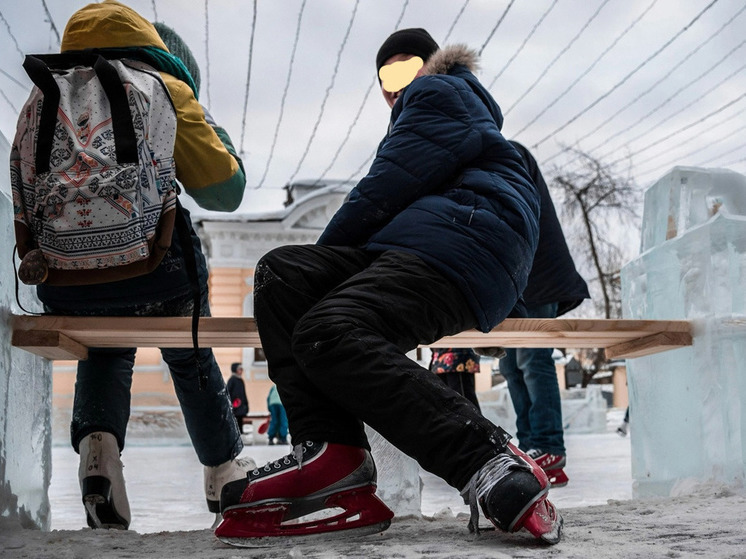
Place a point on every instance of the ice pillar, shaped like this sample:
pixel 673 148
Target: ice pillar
pixel 688 406
pixel 25 396
pixel 399 483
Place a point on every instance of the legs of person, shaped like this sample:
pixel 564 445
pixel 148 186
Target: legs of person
pixel 336 345
pixel 519 396
pixel 461 382
pixel 208 415
pixel 545 411
pixel 468 384
pixel 278 424
pixel 451 380
pixel 288 282
pixel 274 423
pixel 209 419
pixel 101 409
pixel 283 428
pixel 239 422
pixel 624 427
pixel 102 394
pixel 351 347
pixel 540 378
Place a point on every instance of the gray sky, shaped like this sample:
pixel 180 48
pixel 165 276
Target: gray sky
pixel 587 72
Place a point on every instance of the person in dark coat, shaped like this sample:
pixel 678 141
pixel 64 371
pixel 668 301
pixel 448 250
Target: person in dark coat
pixel 237 393
pixel 554 288
pixel 337 319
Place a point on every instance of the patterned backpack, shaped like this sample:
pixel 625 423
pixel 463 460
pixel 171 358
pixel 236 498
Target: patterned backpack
pixel 92 170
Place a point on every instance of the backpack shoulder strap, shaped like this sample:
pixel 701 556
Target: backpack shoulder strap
pixel 124 129
pixel 38 69
pixel 39 73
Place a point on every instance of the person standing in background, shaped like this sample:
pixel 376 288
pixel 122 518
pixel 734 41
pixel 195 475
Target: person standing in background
pixel 237 393
pixel 278 419
pixel 554 288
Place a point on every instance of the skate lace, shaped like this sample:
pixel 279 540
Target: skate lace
pixel 296 456
pixel 245 464
pixel 534 453
pixel 482 482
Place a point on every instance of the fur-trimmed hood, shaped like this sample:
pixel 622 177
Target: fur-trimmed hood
pixel 443 60
pixel 462 62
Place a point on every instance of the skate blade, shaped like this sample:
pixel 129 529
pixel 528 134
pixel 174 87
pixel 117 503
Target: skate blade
pixel 101 515
pixel 340 534
pixel 544 522
pixel 362 513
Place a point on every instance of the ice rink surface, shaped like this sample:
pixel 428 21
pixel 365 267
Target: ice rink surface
pixel 164 483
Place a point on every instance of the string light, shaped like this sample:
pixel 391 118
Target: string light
pixel 327 92
pixel 248 80
pixel 629 75
pixel 284 93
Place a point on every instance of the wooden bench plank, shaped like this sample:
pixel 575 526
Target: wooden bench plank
pixel 626 338
pixel 655 343
pixel 50 344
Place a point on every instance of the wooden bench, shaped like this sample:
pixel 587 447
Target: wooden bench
pixel 69 337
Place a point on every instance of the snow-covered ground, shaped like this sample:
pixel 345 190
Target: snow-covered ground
pixel 164 483
pixel 601 521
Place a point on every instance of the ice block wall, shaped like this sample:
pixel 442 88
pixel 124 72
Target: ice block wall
pixel 25 396
pixel 399 483
pixel 688 406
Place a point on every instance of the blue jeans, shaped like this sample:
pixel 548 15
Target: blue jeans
pixel 103 383
pixel 534 390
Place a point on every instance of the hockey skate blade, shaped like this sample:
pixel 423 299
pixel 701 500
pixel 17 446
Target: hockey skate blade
pixel 270 541
pixel 99 505
pixel 100 514
pixel 544 522
pixel 261 525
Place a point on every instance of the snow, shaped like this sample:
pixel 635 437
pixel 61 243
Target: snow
pixel 601 520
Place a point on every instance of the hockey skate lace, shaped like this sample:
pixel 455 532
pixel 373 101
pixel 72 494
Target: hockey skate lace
pixel 482 482
pixel 245 464
pixel 298 451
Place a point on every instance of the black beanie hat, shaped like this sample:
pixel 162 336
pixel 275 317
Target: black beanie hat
pixel 414 41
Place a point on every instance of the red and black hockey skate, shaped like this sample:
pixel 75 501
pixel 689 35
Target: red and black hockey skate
pixel 553 465
pixel 512 490
pixel 315 481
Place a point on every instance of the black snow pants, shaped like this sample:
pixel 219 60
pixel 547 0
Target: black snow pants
pixel 336 324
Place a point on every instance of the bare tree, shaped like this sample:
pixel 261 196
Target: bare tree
pixel 596 203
